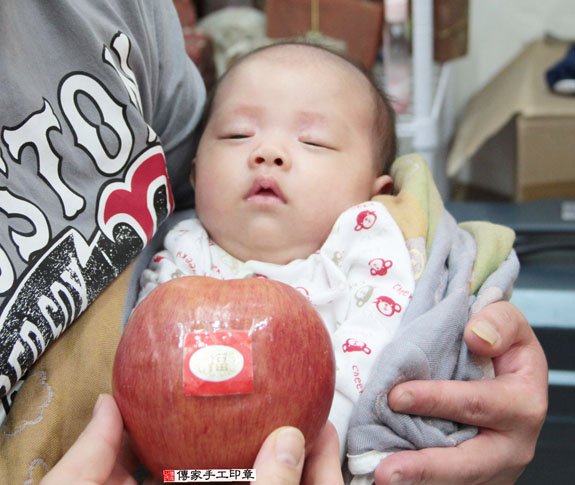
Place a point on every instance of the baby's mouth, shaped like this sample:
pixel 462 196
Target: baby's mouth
pixel 265 189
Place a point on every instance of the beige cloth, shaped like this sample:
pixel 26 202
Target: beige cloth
pixel 519 88
pixel 56 400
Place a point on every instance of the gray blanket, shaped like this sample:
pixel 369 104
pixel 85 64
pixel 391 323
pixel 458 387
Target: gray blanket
pixel 429 345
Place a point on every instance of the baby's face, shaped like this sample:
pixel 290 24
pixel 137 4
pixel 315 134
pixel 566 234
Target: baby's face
pixel 288 147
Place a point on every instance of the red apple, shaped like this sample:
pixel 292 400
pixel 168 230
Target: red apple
pixel 206 369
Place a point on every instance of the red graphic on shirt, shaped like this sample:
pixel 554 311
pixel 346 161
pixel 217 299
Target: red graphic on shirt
pixel 365 220
pixel 354 345
pixel 132 200
pixel 186 258
pixel 216 270
pixel 387 306
pixel 379 266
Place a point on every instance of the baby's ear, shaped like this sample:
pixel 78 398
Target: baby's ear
pixel 383 185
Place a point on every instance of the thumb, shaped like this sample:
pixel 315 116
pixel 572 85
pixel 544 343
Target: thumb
pixel 281 458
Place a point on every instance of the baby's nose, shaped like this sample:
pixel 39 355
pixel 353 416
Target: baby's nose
pixel 271 159
pixel 270 155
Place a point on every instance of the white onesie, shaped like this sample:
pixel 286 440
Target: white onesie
pixel 360 281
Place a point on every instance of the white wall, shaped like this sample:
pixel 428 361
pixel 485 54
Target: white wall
pixel 498 31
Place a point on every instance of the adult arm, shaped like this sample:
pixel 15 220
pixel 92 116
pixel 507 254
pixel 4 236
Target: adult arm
pixel 509 410
pixel 98 456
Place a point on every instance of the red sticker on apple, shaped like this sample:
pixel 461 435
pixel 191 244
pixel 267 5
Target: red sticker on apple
pixel 217 363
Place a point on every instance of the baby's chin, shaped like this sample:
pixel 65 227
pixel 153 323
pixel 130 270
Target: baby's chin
pixel 268 238
pixel 272 253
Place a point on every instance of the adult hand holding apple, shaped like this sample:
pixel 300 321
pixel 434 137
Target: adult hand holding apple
pixel 206 369
pixel 98 457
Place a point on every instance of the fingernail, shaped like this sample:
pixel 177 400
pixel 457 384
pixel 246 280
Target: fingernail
pixel 290 445
pixel 397 479
pixel 98 403
pixel 404 402
pixel 485 331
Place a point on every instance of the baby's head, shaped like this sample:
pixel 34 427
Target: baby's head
pixel 293 136
pixel 383 136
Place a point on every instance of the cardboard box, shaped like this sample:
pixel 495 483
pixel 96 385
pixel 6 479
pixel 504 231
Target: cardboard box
pixel 516 137
pixel 354 22
pixel 450 29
